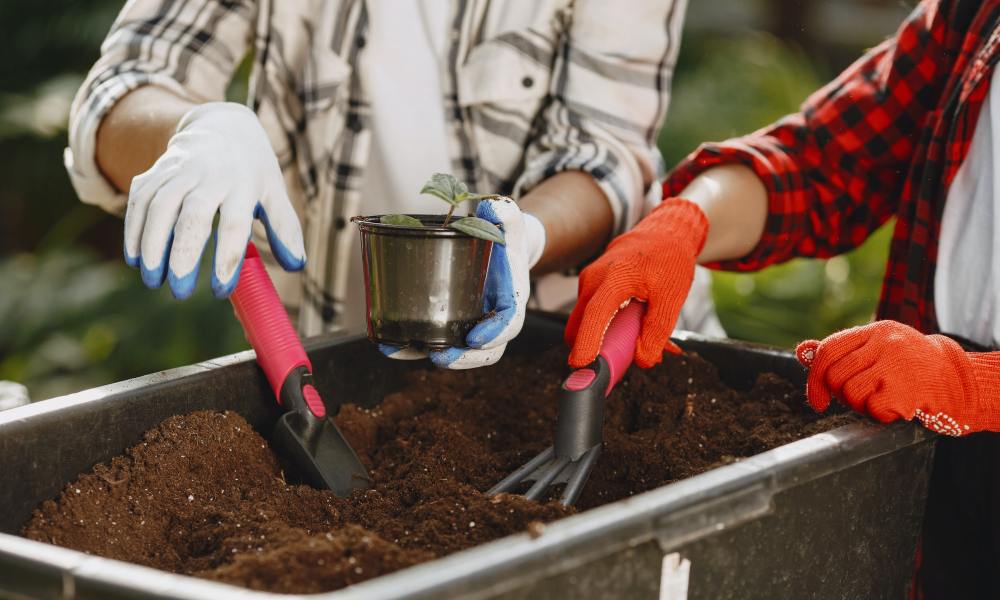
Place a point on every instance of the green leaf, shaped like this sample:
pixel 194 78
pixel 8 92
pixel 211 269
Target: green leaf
pixel 482 197
pixel 400 220
pixel 446 187
pixel 479 228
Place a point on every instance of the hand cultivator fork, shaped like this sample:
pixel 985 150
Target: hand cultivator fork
pixel 581 416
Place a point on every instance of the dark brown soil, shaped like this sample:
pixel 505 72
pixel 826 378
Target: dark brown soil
pixel 203 494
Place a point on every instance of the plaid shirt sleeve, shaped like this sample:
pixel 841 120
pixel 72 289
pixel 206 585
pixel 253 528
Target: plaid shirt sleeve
pixel 190 47
pixel 835 171
pixel 608 99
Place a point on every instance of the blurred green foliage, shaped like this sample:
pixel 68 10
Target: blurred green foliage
pixel 802 299
pixel 72 315
pixel 70 320
pixel 732 85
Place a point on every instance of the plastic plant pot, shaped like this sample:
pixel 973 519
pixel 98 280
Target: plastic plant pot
pixel 423 285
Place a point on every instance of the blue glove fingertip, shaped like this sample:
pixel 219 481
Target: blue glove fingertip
pixel 132 261
pixel 153 277
pixel 182 287
pixel 488 330
pixel 388 349
pixel 288 260
pixel 484 210
pixel 444 358
pixel 222 289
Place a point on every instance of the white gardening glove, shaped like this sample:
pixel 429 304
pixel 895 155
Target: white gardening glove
pixel 219 161
pixel 506 294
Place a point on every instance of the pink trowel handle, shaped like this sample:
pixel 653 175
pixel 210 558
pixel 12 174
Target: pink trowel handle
pixel 270 332
pixel 617 349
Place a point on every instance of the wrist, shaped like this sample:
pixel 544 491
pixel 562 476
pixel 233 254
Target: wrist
pixel 736 203
pixel 677 221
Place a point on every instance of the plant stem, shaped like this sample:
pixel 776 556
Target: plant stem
pixel 448 216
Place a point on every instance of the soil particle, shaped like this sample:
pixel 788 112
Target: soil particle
pixel 203 494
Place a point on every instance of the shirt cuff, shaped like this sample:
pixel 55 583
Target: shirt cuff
pixel 535 234
pixel 616 175
pixel 92 187
pixel 80 158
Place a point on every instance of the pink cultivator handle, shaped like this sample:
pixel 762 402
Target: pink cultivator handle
pixel 618 347
pixel 581 404
pixel 270 332
pixel 617 350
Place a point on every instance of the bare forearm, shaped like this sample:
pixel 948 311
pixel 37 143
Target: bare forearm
pixel 577 219
pixel 735 202
pixel 135 133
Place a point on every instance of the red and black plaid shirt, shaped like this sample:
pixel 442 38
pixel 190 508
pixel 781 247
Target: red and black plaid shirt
pixel 883 140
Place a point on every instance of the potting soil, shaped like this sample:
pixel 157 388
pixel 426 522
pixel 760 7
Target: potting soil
pixel 203 493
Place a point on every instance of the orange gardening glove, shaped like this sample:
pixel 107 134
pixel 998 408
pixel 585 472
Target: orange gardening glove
pixel 891 371
pixel 654 262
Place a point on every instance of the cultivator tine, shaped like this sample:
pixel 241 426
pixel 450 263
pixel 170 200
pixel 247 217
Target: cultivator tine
pixel 510 482
pixel 548 475
pixel 581 472
pixel 548 469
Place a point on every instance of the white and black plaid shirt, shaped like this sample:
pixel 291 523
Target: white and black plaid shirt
pixel 532 88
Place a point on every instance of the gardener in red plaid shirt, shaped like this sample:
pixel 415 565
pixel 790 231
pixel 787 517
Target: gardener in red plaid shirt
pixel 912 132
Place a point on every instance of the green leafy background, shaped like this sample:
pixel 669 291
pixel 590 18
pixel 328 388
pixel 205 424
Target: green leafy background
pixel 73 316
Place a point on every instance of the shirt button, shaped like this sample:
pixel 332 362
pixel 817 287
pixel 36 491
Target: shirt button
pixel 340 223
pixel 527 82
pixel 361 42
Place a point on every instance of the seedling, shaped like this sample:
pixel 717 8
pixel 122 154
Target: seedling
pixel 454 192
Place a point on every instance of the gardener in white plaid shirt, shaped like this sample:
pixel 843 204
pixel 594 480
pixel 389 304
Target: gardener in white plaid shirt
pixel 353 104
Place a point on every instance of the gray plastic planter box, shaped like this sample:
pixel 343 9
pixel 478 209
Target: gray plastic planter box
pixel 835 515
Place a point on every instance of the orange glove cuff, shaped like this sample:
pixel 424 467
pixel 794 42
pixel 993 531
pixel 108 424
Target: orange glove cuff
pixel 986 371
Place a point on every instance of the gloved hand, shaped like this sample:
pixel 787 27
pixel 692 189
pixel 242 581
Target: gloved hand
pixel 219 161
pixel 891 371
pixel 506 294
pixel 654 263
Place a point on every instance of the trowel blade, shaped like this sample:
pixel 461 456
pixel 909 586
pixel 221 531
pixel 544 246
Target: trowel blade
pixel 321 452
